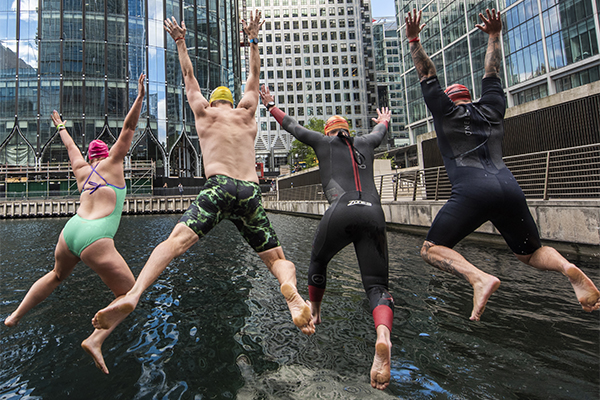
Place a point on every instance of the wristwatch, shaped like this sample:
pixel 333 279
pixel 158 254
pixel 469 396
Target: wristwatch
pixel 255 40
pixel 270 104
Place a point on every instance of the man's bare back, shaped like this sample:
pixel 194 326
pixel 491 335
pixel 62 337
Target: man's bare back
pixel 226 138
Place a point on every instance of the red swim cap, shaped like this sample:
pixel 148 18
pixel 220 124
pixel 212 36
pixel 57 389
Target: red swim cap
pixel 336 122
pixel 97 149
pixel 458 92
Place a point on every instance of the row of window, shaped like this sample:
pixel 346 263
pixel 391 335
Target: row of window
pixel 306 37
pixel 314 24
pixel 297 61
pixel 267 3
pixel 304 12
pixel 306 49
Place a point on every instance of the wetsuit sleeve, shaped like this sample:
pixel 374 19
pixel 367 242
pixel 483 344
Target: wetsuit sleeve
pixel 288 123
pixel 374 138
pixel 437 101
pixel 492 95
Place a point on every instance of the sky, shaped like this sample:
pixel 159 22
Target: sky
pixel 382 8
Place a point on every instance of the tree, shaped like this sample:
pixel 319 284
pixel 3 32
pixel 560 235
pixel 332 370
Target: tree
pixel 305 152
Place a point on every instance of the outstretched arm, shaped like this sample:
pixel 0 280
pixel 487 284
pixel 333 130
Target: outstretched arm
pixel 492 25
pixel 121 147
pixel 423 63
pixel 250 98
pixel 192 90
pixel 75 155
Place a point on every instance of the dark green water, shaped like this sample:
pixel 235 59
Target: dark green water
pixel 215 326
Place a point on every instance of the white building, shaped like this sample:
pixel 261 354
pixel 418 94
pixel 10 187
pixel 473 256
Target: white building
pixel 317 59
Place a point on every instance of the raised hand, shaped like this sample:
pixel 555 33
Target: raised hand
pixel 251 29
pixel 174 29
pixel 413 24
pixel 385 115
pixel 141 86
pixel 492 24
pixel 56 118
pixel 265 95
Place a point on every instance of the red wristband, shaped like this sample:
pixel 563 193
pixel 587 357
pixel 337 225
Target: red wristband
pixel 413 40
pixel 179 38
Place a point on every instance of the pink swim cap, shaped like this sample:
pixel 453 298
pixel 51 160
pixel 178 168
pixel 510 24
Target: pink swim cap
pixel 97 149
pixel 458 92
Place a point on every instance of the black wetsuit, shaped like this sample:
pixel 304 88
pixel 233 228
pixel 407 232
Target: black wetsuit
pixel 483 189
pixel 355 215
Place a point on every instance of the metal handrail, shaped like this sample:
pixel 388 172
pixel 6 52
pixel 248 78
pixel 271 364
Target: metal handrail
pixel 571 173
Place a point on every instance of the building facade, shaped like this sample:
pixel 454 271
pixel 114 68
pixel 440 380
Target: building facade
pixel 317 60
pixel 548 46
pixel 389 88
pixel 84 58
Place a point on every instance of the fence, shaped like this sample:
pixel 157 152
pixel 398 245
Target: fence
pixel 572 173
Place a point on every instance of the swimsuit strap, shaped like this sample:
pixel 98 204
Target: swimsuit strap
pixel 97 185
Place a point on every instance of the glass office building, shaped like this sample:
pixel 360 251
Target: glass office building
pixel 548 46
pixel 84 58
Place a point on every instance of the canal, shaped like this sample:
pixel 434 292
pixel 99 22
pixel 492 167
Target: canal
pixel 214 325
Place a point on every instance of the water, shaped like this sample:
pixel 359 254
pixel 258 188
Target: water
pixel 215 327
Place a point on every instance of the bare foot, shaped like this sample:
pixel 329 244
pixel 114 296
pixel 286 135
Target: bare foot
pixel 95 350
pixel 380 371
pixel 482 291
pixel 11 320
pixel 114 313
pixel 299 309
pixel 585 290
pixel 315 311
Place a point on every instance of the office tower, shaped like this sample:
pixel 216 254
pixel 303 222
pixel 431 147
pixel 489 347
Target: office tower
pixel 548 47
pixel 317 59
pixel 389 85
pixel 83 59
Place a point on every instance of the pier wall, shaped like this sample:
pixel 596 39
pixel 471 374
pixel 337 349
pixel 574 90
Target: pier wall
pixel 572 223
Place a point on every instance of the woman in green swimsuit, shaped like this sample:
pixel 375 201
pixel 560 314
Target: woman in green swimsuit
pixel 88 236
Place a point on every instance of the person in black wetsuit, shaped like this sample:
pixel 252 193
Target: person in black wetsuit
pixel 354 216
pixel 469 136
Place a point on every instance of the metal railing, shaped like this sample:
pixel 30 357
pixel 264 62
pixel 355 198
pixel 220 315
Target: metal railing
pixel 572 173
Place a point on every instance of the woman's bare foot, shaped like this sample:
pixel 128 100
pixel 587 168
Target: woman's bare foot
pixel 95 350
pixel 380 371
pixel 115 312
pixel 299 309
pixel 585 290
pixel 11 320
pixel 482 291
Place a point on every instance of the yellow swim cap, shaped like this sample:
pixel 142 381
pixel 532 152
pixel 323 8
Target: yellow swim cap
pixel 221 93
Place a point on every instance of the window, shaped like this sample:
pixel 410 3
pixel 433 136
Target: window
pixel 333 36
pixel 343 35
pixel 325 60
pixel 318 85
pixel 340 11
pixel 327 85
pixel 316 60
pixel 298 74
pixel 306 60
pixel 309 98
pixel 317 73
pixel 325 48
pixel 288 74
pixel 290 86
pixel 290 98
pixel 332 23
pixel 300 98
pixel 298 61
pixel 348 110
pixel 280 86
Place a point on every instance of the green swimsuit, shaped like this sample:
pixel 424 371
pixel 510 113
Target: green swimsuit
pixel 79 232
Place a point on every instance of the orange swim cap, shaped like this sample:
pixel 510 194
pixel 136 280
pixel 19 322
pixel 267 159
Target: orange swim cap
pixel 336 122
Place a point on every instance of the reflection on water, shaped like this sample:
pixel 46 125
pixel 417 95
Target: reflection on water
pixel 214 325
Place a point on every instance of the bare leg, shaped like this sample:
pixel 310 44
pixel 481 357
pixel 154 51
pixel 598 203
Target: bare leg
pixel 315 311
pixel 548 259
pixel 64 263
pixel 104 259
pixel 181 239
pixel 451 261
pixel 380 371
pixel 285 272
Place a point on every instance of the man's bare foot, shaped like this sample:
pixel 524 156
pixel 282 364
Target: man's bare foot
pixel 585 290
pixel 380 371
pixel 95 350
pixel 482 291
pixel 114 313
pixel 11 320
pixel 299 309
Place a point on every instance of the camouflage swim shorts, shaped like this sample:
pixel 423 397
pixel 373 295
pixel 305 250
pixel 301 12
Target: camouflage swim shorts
pixel 239 201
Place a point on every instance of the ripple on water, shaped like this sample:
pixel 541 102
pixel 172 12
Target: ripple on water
pixel 216 326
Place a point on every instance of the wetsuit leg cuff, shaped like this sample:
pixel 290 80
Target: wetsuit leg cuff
pixel 315 293
pixel 383 315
